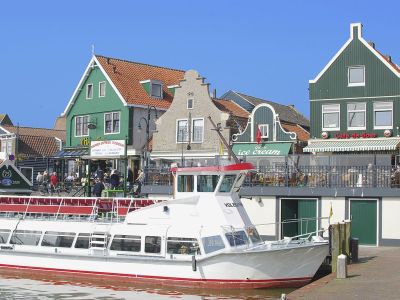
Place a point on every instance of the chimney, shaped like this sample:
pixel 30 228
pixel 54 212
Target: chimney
pixel 214 94
pixel 388 58
pixel 372 44
pixel 114 68
pixel 291 105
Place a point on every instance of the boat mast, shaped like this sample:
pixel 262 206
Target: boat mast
pixel 218 129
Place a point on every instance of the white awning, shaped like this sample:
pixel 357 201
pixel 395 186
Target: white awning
pixel 352 145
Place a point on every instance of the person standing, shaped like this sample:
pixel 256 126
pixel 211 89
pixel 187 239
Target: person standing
pixel 114 179
pixel 98 188
pixel 53 181
pixel 129 178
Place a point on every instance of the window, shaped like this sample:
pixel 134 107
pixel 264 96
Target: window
pixel 111 122
pixel 89 91
pixel 4 234
pixel 178 245
pixel 102 89
pixel 198 127
pixel 227 183
pixel 182 131
pixel 6 146
pixel 253 234
pixel 126 243
pixel 264 128
pixel 356 115
pixel 185 183
pixel 383 115
pixel 212 243
pixel 152 244
pixel 190 103
pixel 356 76
pixel 237 238
pixel 81 126
pixel 156 90
pixel 331 117
pixel 207 183
pixel 82 241
pixel 25 237
pixel 58 239
pixel 27 172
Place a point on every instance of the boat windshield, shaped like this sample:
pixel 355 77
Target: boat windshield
pixel 207 183
pixel 212 243
pixel 227 183
pixel 185 183
pixel 237 238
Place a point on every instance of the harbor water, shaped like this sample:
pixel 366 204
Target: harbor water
pixel 33 287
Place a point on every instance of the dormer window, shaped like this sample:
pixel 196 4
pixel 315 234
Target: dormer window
pixel 153 88
pixel 156 90
pixel 356 76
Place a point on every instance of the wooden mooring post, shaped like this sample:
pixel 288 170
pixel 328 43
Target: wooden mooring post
pixel 340 241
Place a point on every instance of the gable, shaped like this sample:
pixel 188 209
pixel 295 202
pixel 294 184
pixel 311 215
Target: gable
pixel 381 76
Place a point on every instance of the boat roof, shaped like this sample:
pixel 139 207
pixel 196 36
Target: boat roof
pixel 234 167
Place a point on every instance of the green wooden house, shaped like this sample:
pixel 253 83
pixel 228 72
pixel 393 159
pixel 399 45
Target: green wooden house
pixel 355 101
pixel 113 100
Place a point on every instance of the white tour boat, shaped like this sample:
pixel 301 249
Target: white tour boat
pixel 202 238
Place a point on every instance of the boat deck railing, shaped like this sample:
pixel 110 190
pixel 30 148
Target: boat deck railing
pixel 71 208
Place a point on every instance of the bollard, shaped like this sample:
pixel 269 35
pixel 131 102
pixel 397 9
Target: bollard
pixel 341 272
pixel 335 246
pixel 354 249
pixel 283 296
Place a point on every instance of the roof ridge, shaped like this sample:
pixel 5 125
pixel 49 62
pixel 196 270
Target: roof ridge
pixel 29 127
pixel 139 63
pixel 263 99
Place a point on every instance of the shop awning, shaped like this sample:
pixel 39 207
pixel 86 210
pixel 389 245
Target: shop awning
pixel 265 149
pixel 352 145
pixel 70 153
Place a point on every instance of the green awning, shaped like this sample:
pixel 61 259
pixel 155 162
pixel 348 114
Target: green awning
pixel 265 149
pixel 352 145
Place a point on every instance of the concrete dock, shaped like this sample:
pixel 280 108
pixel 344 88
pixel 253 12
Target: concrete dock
pixel 375 276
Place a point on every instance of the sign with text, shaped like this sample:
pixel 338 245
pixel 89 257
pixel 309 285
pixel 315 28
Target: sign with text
pixel 266 149
pixel 11 178
pixel 113 148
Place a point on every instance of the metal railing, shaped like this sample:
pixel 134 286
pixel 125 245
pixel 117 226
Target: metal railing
pixel 305 176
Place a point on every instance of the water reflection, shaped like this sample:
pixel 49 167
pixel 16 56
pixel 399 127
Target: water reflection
pixel 39 287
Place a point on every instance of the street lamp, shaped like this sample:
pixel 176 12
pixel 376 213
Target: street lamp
pixel 147 122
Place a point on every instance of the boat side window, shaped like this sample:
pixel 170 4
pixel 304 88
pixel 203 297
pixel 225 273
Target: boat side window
pixel 4 234
pixel 82 241
pixel 207 183
pixel 253 235
pixel 25 237
pixel 185 183
pixel 58 239
pixel 152 244
pixel 126 243
pixel 227 183
pixel 236 238
pixel 179 245
pixel 212 243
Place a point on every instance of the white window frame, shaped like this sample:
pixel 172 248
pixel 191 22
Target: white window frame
pixel 176 131
pixel 76 119
pixel 264 128
pixel 375 110
pixel 322 115
pixel 7 145
pixel 87 90
pixel 357 111
pixel 112 122
pixel 187 103
pixel 192 133
pixel 100 83
pixel 152 82
pixel 348 76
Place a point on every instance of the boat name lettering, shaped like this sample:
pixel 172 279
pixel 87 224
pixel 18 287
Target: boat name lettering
pixel 233 204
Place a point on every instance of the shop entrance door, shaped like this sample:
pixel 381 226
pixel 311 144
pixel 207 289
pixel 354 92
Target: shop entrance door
pixel 302 213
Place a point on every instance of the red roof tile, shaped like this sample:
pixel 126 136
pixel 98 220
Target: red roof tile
pixel 38 132
pixel 302 134
pixel 126 76
pixel 29 146
pixel 230 106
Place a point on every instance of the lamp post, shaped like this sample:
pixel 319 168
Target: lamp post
pixel 147 122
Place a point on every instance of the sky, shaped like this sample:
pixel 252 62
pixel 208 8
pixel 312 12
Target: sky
pixel 266 49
